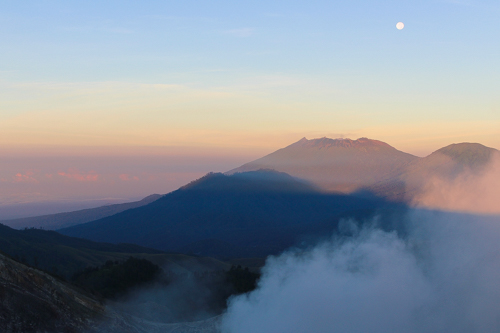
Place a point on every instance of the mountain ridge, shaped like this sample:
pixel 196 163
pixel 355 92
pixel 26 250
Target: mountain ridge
pixel 446 163
pixel 365 165
pixel 243 215
pixel 351 175
pixel 325 142
pixel 336 165
pixel 67 219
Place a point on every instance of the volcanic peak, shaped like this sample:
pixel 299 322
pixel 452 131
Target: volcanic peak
pixel 324 142
pixel 467 152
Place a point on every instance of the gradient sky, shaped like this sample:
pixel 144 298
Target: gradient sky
pixel 249 76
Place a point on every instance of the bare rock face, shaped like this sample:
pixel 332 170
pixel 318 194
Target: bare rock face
pixel 33 301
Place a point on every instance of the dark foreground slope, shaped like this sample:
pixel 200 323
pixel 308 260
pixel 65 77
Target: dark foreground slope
pixel 250 214
pixel 64 220
pixel 36 302
pixel 33 301
pixel 63 255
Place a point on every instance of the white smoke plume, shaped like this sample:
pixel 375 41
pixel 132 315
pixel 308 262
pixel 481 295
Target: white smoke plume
pixel 442 277
pixel 469 192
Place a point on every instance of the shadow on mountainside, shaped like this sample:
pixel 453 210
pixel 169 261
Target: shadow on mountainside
pixel 252 214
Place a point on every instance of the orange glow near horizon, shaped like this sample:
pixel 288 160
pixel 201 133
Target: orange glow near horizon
pixel 251 119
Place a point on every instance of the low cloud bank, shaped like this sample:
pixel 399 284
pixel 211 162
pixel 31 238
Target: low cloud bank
pixel 442 276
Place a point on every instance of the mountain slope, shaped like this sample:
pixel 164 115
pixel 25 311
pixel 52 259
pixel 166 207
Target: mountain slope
pixel 445 164
pixel 257 213
pixel 340 165
pixel 33 301
pixel 63 220
pixel 250 214
pixel 370 166
pixel 65 255
pixel 61 254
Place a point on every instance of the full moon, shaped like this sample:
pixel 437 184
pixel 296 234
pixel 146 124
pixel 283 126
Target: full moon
pixel 400 25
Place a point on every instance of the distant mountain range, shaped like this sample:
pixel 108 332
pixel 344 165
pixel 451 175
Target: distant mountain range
pixel 275 202
pixel 364 165
pixel 278 201
pixel 64 220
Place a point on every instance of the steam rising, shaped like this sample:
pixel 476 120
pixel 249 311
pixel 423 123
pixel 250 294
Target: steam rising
pixel 469 192
pixel 443 276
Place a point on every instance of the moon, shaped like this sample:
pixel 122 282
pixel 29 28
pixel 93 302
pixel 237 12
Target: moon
pixel 400 25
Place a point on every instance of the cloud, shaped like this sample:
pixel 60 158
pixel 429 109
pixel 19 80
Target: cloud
pixel 126 177
pixel 75 174
pixel 27 177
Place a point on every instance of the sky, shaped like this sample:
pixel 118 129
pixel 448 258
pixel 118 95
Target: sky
pixel 218 83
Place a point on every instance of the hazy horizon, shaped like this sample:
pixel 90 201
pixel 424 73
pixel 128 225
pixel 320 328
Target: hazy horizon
pixel 62 179
pixel 57 179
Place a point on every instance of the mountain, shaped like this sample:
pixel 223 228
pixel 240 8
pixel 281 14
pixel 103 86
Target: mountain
pixel 452 160
pixel 262 212
pixel 339 165
pixel 251 214
pixel 63 220
pixel 369 166
pixel 445 164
